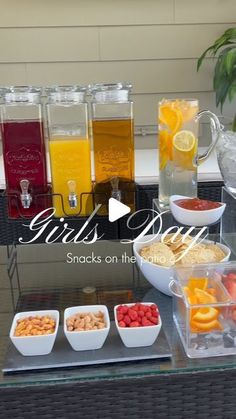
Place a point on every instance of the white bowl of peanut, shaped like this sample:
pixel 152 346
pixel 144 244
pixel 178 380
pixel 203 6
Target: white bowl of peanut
pixel 86 327
pixel 34 332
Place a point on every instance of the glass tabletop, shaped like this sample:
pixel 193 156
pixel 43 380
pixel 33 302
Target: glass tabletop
pixel 55 277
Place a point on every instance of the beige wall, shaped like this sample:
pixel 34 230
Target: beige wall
pixel 152 43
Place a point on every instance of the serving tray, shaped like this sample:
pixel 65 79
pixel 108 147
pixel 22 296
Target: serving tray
pixel 63 355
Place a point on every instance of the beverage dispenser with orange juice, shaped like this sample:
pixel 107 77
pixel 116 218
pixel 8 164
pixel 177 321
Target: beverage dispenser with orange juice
pixel 69 147
pixel 113 141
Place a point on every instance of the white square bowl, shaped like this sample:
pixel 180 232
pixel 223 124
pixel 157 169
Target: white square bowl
pixel 134 337
pixel 87 339
pixel 34 345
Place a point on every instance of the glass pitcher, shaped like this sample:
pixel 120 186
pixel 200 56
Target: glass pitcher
pixel 178 147
pixel 113 141
pixel 24 150
pixel 69 147
pixel 226 156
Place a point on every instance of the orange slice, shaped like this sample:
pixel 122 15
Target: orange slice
pixel 165 148
pixel 188 292
pixel 211 291
pixel 200 283
pixel 205 315
pixel 171 118
pixel 204 297
pixel 187 109
pixel 193 300
pixel 206 327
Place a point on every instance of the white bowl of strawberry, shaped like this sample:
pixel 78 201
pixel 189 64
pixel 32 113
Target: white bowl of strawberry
pixel 138 324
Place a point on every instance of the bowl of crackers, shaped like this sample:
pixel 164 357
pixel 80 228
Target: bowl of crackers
pixel 157 256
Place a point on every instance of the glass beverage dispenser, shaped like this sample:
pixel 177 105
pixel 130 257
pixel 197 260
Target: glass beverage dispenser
pixel 113 140
pixel 24 151
pixel 69 146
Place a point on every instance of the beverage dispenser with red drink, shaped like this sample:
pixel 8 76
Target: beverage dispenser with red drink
pixel 24 154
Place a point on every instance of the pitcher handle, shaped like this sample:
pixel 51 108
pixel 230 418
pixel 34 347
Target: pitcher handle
pixel 216 129
pixel 174 289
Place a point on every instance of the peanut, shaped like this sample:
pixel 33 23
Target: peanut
pixel 85 321
pixel 35 326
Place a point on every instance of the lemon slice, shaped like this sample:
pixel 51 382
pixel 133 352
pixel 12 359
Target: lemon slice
pixel 184 141
pixel 184 150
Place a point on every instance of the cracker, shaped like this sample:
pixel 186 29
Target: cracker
pixel 159 254
pixel 219 254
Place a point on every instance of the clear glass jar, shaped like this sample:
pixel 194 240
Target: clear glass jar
pixel 113 140
pixel 178 121
pixel 24 150
pixel 69 146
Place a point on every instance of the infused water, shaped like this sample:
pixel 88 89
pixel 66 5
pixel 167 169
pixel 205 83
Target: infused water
pixel 178 145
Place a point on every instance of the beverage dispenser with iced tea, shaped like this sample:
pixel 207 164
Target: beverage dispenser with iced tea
pixel 69 147
pixel 113 141
pixel 24 151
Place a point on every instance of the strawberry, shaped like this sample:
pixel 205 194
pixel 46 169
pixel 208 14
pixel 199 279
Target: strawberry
pixel 127 320
pixel 153 320
pixel 136 307
pixel 134 324
pixel 148 314
pixel 124 309
pixel 231 276
pixel 141 313
pixel 132 314
pixel 122 324
pixel 154 314
pixel 120 316
pixel 231 288
pixel 153 307
pixel 148 323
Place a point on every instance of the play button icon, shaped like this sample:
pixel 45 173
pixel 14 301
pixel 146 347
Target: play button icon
pixel 117 209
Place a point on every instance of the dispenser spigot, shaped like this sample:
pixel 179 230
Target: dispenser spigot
pixel 72 198
pixel 25 196
pixel 115 193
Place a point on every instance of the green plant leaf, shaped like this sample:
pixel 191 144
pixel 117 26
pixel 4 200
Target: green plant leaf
pixel 230 61
pixel 232 90
pixel 228 36
pixel 230 33
pixel 200 60
pixel 222 91
pixel 224 81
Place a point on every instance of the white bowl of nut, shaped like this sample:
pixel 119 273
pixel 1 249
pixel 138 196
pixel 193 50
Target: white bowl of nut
pixel 34 332
pixel 86 327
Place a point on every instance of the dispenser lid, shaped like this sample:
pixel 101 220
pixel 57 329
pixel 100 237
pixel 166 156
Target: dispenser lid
pixel 66 94
pixel 110 92
pixel 21 94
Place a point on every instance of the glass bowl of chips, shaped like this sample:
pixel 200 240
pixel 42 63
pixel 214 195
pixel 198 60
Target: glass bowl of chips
pixel 157 257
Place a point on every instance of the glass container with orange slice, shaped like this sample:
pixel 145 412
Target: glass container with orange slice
pixel 178 121
pixel 201 311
